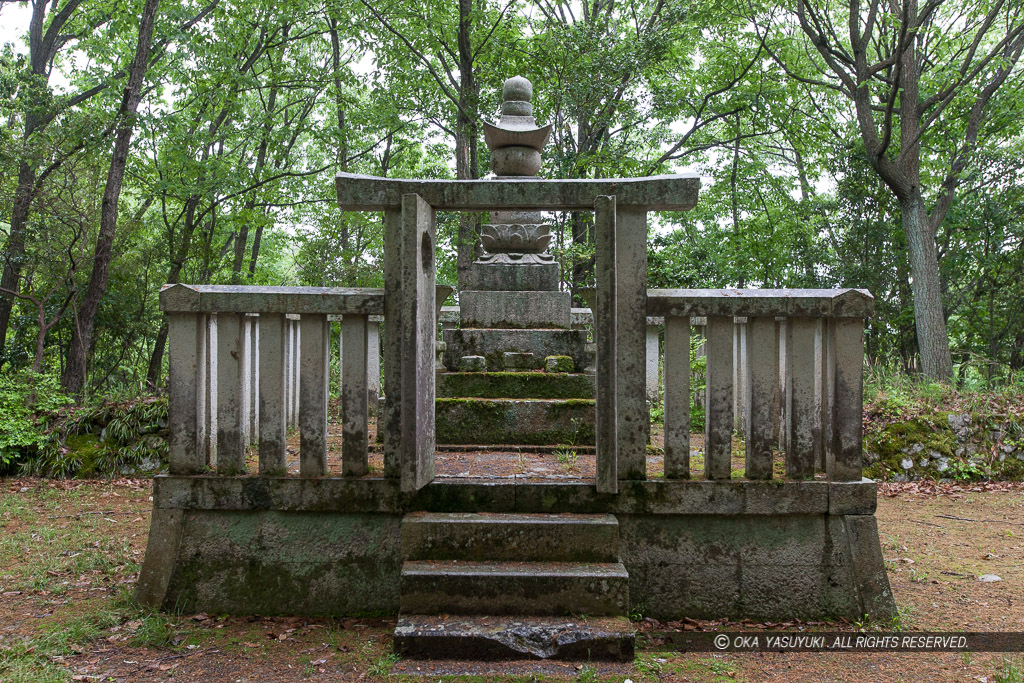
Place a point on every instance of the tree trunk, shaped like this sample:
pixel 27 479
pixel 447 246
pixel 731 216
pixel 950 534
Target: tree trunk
pixel 465 143
pixel 932 339
pixel 15 253
pixel 81 339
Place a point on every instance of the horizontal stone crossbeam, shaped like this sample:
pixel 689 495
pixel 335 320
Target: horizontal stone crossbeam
pixel 178 298
pixel 654 193
pixel 813 303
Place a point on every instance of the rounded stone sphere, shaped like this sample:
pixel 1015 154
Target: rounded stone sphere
pixel 517 88
pixel 515 161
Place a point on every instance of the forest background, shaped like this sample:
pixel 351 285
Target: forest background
pixel 857 144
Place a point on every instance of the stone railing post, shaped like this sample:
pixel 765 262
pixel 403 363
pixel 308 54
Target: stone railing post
pixel 273 393
pixel 803 408
pixel 186 356
pixel 231 360
pixel 761 376
pixel 254 385
pixel 314 358
pixel 605 325
pixel 354 403
pixel 844 460
pixel 677 397
pixel 718 421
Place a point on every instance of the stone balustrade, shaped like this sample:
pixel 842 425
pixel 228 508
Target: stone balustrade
pixel 785 367
pixel 249 363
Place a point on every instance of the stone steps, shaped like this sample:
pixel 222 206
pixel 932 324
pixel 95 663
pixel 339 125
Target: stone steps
pixel 514 420
pixel 514 385
pixel 514 588
pixel 496 638
pixel 510 537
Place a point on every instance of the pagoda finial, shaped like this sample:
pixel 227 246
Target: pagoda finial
pixel 516 141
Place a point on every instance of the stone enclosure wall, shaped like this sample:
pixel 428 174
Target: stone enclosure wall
pixel 697 549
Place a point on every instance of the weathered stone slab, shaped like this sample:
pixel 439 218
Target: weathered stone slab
pixel 508 309
pixel 375 494
pixel 259 299
pixel 514 421
pixel 811 303
pixel 165 530
pixel 186 350
pixel 780 540
pixel 477 364
pixel 514 360
pixel 869 576
pixel 653 193
pixel 230 393
pixel 273 415
pixel 677 398
pixel 507 638
pixel 718 422
pixel 510 537
pixel 514 385
pixel 513 277
pixel 293 564
pixel 852 497
pixel 534 588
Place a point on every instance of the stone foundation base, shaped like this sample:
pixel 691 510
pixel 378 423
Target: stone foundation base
pixel 700 549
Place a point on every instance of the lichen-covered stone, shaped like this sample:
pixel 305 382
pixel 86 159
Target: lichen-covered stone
pixel 514 360
pixel 514 385
pixel 558 364
pixel 515 421
pixel 472 364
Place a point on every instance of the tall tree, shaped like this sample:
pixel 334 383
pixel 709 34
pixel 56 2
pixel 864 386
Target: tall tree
pixel 922 77
pixel 53 26
pixel 73 379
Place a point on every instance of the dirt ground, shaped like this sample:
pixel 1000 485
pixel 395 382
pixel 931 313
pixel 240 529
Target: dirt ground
pixel 70 553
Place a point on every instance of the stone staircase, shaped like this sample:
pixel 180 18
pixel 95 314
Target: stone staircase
pixel 513 586
pixel 532 407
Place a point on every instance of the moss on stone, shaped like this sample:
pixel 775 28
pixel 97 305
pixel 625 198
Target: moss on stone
pixel 497 421
pixel 514 385
pixel 928 446
pixel 558 364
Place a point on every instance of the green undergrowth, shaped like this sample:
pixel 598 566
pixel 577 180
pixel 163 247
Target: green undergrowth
pixel 921 430
pixel 43 433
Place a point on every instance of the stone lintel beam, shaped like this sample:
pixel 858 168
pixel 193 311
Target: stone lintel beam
pixel 653 193
pixel 178 298
pixel 812 303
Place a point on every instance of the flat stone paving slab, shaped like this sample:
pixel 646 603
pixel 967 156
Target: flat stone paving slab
pixel 494 638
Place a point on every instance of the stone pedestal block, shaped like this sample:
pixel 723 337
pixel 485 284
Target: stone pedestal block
pixel 514 276
pixel 518 310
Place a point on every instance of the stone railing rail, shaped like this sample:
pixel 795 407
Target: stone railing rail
pixel 247 363
pixel 788 363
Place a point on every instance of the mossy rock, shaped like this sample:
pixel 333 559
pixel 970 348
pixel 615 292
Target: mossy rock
pixel 559 364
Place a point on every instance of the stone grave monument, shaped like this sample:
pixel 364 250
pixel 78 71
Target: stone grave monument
pixel 515 370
